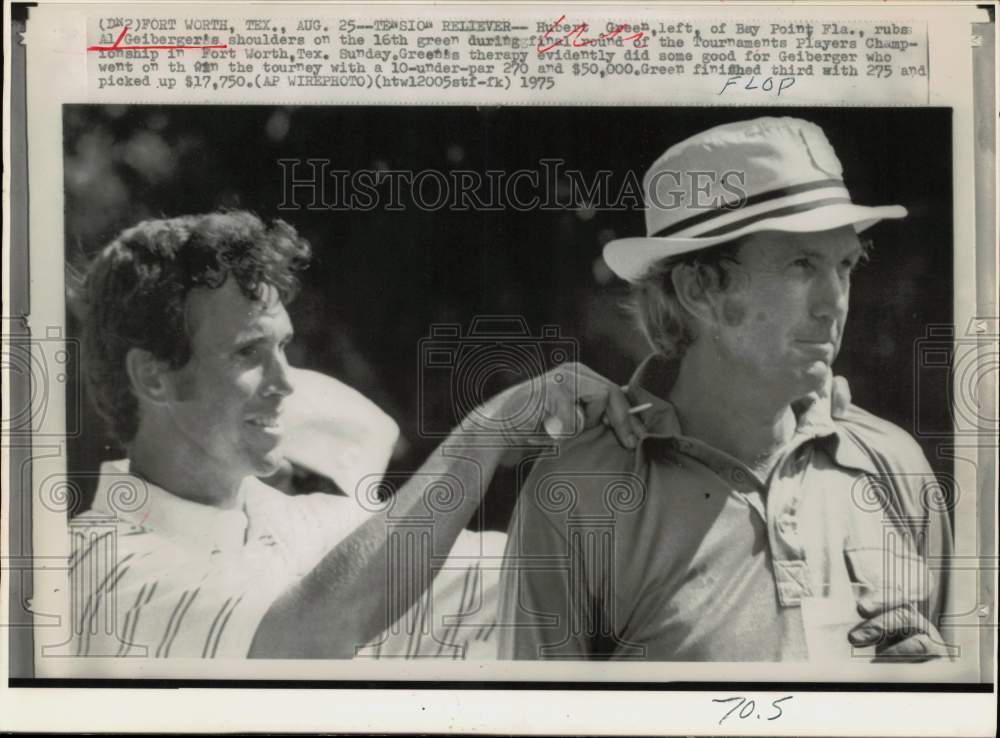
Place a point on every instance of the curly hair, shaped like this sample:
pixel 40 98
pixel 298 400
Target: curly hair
pixel 653 300
pixel 135 290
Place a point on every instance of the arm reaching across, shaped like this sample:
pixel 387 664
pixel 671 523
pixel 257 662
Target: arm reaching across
pixel 348 598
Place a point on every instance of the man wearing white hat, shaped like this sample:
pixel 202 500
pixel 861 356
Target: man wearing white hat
pixel 747 497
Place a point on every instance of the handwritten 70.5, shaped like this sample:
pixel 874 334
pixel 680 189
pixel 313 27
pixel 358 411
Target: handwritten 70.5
pixel 748 708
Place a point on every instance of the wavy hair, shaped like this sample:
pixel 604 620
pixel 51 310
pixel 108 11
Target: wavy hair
pixel 135 289
pixel 654 304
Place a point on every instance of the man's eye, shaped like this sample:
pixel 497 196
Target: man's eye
pixel 245 352
pixel 803 263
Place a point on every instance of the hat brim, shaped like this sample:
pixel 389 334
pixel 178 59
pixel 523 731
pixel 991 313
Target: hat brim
pixel 631 258
pixel 334 430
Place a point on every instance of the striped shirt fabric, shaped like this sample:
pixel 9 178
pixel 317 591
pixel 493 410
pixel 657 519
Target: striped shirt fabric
pixel 456 618
pixel 155 576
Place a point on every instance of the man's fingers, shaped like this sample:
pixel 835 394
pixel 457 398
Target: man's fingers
pixel 635 413
pixel 917 649
pixel 582 399
pixel 873 601
pixel 890 626
pixel 564 418
pixel 594 410
pixel 619 419
pixel 638 429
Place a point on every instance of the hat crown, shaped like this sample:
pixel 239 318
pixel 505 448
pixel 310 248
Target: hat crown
pixel 767 174
pixel 727 165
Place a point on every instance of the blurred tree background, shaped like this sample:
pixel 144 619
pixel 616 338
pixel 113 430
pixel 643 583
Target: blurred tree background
pixel 380 279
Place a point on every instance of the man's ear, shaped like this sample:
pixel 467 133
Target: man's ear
pixel 692 293
pixel 148 375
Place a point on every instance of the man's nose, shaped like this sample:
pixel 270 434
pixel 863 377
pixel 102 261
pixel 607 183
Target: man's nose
pixel 831 295
pixel 278 381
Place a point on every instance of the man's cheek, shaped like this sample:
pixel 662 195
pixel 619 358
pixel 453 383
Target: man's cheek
pixel 734 312
pixel 185 385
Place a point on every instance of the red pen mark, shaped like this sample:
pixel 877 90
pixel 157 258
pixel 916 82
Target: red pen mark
pixel 573 36
pixel 116 46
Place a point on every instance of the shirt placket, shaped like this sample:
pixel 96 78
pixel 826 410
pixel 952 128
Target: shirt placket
pixel 777 507
pixel 784 498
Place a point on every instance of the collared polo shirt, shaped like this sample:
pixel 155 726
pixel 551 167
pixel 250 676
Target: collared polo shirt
pixel 153 575
pixel 677 551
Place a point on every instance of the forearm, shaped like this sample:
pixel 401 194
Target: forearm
pixel 368 581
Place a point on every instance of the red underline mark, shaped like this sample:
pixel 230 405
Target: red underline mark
pixel 545 43
pixel 117 47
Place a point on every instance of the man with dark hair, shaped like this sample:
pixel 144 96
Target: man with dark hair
pixel 135 295
pixel 184 353
pixel 748 499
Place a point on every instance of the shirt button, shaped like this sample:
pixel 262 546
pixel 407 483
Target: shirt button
pixel 738 476
pixel 787 524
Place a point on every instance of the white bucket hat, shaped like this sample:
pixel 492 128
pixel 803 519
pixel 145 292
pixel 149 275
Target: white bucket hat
pixel 334 430
pixel 768 174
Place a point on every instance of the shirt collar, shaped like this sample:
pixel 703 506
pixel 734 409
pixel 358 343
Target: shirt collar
pixel 151 508
pixel 815 418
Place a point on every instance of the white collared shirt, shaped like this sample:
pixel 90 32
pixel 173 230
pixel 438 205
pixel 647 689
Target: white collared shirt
pixel 159 576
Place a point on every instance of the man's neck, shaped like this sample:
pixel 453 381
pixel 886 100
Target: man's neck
pixel 733 416
pixel 183 472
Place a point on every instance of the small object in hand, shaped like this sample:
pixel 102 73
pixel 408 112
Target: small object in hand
pixel 554 427
pixel 631 411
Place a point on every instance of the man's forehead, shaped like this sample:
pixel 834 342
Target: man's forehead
pixel 226 313
pixel 839 242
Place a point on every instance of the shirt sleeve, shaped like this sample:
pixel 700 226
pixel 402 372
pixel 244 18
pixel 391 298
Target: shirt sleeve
pixel 919 505
pixel 924 504
pixel 545 607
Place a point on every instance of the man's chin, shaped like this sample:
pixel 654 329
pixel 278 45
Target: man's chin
pixel 264 465
pixel 813 378
pixel 819 370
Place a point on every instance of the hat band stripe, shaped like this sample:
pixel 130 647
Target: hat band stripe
pixel 731 216
pixel 747 202
pixel 779 213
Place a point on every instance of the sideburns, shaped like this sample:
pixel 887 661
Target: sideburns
pixel 720 279
pixel 734 312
